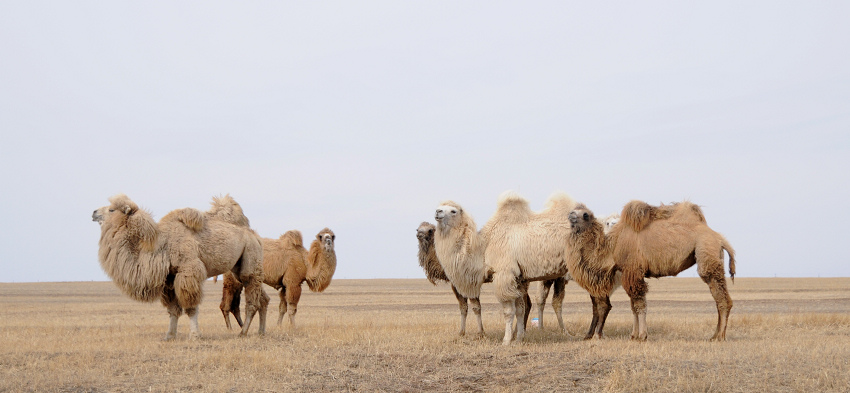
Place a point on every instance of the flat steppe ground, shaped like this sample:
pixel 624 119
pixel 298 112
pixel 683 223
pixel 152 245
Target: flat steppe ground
pixel 785 335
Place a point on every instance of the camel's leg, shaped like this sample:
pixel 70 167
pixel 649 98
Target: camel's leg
pixel 231 296
pixel 194 332
pixel 174 312
pixel 635 286
pixel 526 310
pixel 724 306
pixel 710 267
pixel 522 307
pixel 542 295
pixel 509 312
pixel 256 301
pixel 603 307
pixel 593 321
pixel 169 300
pixel 476 309
pixel 282 306
pixel 293 295
pixel 461 303
pixel 558 301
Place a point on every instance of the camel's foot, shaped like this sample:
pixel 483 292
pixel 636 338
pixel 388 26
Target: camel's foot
pixel 168 337
pixel 639 337
pixel 194 336
pixel 718 338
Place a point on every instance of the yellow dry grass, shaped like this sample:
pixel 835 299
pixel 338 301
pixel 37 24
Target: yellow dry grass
pixel 785 335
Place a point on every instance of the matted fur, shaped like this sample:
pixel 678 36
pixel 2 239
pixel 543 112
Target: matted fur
pixel 284 269
pixel 658 241
pixel 170 260
pixel 321 261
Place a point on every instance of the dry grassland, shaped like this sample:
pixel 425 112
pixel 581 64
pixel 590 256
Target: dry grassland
pixel 785 335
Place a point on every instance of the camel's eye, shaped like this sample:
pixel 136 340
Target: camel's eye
pixel 454 211
pixel 586 216
pixel 111 210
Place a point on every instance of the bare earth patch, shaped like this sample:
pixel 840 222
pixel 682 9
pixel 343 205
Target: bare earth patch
pixel 785 335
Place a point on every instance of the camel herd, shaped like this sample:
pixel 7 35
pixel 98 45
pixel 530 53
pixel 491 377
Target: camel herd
pixel 169 260
pixel 566 242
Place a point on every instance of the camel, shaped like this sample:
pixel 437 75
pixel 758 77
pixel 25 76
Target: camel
pixel 658 241
pixel 170 260
pixel 591 267
pixel 287 264
pixel 435 273
pixel 609 221
pixel 517 244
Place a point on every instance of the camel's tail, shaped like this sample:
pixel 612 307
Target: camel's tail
pixel 731 251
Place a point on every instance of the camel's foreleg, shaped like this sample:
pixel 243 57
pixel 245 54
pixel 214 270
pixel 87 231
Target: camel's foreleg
pixel 601 308
pixel 476 309
pixel 635 286
pixel 293 295
pixel 595 319
pixel 464 307
pixel 282 306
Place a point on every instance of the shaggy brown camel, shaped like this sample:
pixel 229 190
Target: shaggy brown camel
pixel 287 264
pixel 170 260
pixel 517 244
pixel 658 241
pixel 592 266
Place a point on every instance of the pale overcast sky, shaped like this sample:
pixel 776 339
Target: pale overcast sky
pixel 362 116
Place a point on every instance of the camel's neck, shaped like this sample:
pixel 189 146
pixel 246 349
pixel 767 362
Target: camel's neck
pixel 321 264
pixel 460 251
pixel 139 272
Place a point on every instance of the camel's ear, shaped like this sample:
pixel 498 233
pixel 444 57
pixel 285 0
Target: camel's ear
pixel 127 209
pixel 430 231
pixel 586 216
pixel 319 236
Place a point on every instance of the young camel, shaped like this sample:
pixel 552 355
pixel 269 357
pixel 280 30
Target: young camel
pixel 658 241
pixel 286 265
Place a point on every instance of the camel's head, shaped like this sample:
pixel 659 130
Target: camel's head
pixel 425 233
pixel 326 238
pixel 581 218
pixel 124 216
pixel 119 205
pixel 610 221
pixel 448 214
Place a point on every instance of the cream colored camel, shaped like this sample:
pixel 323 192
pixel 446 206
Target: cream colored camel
pixel 435 273
pixel 658 241
pixel 517 244
pixel 286 265
pixel 170 260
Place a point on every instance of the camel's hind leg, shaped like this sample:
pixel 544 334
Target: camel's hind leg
pixel 558 301
pixel 711 271
pixel 231 296
pixel 523 307
pixel 461 303
pixel 542 295
pixel 194 332
pixel 256 300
